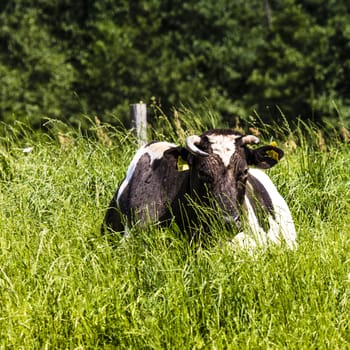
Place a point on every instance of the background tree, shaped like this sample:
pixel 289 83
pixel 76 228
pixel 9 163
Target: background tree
pixel 63 60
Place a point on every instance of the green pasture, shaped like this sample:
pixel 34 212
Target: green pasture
pixel 64 286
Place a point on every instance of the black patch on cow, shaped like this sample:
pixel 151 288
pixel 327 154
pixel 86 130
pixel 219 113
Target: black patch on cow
pixel 134 195
pixel 153 189
pixel 260 201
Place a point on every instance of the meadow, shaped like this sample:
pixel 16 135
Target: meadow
pixel 63 285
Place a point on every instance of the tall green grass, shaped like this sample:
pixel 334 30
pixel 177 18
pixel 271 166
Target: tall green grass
pixel 63 285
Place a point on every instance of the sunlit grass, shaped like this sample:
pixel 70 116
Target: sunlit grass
pixel 63 285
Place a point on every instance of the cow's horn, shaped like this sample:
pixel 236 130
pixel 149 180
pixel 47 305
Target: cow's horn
pixel 191 142
pixel 248 139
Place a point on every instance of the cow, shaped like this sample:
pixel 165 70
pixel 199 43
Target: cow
pixel 164 182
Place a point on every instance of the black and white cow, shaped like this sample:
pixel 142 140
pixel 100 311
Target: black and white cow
pixel 164 180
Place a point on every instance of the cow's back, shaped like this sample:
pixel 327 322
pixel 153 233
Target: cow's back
pixel 152 188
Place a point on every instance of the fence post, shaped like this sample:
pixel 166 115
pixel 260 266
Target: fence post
pixel 138 113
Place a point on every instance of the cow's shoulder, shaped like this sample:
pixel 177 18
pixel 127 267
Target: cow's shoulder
pixel 260 189
pixel 266 194
pixel 261 183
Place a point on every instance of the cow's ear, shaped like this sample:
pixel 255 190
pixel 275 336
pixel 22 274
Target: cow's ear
pixel 264 157
pixel 184 160
pixel 180 156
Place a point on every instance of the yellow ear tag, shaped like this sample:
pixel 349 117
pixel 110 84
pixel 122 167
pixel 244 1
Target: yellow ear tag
pixel 182 165
pixel 273 154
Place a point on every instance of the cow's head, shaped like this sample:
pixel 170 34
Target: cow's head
pixel 219 161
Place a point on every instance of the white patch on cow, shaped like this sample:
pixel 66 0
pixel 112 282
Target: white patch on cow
pixel 157 149
pixel 245 241
pixel 154 150
pixel 224 146
pixel 282 226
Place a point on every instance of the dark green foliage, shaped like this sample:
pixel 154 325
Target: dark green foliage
pixel 65 59
pixel 302 65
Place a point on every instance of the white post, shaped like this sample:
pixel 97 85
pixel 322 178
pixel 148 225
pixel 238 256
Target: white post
pixel 138 112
